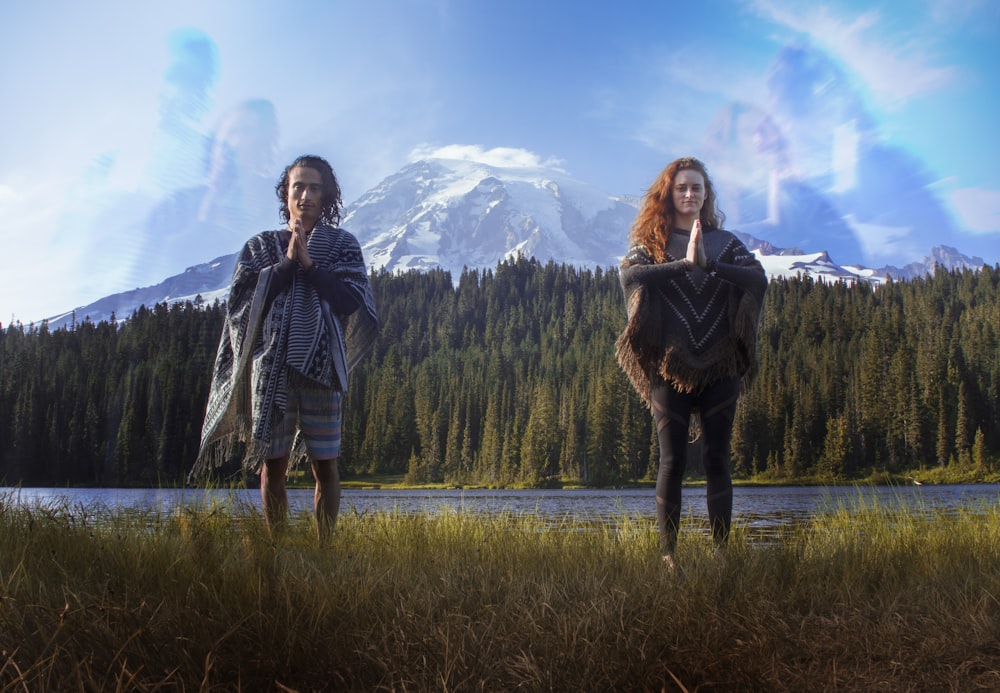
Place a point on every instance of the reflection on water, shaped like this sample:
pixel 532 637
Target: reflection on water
pixel 762 511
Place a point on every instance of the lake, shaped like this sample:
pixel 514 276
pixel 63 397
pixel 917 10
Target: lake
pixel 761 510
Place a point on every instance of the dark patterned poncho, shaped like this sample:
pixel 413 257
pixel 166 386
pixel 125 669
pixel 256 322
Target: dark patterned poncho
pixel 691 327
pixel 296 336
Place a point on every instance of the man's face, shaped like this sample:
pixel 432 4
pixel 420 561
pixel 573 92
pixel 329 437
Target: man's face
pixel 305 196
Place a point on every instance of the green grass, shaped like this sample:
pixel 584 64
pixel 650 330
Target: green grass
pixel 862 598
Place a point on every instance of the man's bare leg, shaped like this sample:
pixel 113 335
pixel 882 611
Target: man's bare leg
pixel 273 494
pixel 327 496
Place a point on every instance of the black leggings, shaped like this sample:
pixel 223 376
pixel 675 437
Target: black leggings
pixel 672 414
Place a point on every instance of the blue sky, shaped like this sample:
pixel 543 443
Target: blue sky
pixel 109 108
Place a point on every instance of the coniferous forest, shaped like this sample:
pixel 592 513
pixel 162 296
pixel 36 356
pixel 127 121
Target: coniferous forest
pixel 508 377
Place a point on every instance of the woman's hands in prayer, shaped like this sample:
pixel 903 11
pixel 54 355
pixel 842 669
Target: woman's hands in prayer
pixel 696 247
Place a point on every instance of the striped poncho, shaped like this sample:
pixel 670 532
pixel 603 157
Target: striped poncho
pixel 296 335
pixel 691 327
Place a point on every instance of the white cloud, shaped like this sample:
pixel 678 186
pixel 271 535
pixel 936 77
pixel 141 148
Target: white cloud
pixel 28 212
pixel 504 157
pixel 978 209
pixel 895 69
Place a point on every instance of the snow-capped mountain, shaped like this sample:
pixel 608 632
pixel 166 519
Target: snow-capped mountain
pixel 453 214
pixel 209 281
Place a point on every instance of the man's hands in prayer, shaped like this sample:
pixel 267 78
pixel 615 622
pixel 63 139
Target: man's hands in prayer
pixel 298 249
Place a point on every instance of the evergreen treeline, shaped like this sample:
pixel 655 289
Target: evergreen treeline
pixel 106 405
pixel 508 378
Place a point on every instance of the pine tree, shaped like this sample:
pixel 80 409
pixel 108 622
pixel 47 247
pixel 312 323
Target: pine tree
pixel 540 444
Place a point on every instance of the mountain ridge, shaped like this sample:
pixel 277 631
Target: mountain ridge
pixel 456 214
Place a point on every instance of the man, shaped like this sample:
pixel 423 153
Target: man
pixel 300 316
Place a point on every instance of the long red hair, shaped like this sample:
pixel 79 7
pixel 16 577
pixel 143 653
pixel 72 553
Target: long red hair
pixel 652 225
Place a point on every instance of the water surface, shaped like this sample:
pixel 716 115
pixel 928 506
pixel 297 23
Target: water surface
pixel 763 511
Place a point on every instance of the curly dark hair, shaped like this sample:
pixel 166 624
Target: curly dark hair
pixel 331 202
pixel 656 214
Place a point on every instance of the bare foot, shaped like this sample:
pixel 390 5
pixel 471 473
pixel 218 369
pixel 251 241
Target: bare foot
pixel 668 561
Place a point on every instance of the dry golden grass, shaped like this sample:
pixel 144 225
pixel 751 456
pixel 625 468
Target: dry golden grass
pixel 863 598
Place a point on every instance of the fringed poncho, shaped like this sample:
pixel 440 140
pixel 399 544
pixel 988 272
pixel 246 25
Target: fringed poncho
pixel 691 327
pixel 296 335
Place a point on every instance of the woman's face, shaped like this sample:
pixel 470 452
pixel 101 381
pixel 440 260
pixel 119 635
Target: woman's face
pixel 689 196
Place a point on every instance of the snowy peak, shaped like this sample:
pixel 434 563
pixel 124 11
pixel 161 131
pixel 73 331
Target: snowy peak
pixel 455 213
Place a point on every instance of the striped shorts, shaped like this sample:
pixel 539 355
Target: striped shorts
pixel 315 412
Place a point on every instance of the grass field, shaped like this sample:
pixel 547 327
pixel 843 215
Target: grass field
pixel 861 598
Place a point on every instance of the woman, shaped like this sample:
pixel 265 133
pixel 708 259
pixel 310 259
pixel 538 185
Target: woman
pixel 694 294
